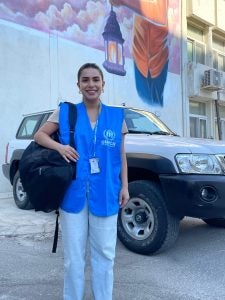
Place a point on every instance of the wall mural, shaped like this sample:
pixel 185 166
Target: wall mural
pixel 147 31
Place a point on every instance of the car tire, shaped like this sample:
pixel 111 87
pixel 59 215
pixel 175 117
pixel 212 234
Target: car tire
pixel 217 222
pixel 20 196
pixel 144 225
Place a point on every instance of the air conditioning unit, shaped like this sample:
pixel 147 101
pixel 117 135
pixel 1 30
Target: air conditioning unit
pixel 212 80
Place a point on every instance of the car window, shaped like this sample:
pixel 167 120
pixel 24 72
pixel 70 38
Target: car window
pixel 45 118
pixel 29 126
pixel 143 121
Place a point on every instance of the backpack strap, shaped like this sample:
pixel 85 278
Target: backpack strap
pixel 56 234
pixel 72 122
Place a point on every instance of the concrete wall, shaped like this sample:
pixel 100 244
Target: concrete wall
pixel 220 13
pixel 204 10
pixel 25 80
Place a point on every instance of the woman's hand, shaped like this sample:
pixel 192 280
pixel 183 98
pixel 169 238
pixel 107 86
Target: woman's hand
pixel 68 153
pixel 124 197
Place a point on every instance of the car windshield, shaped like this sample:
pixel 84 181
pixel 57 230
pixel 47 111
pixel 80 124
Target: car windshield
pixel 139 121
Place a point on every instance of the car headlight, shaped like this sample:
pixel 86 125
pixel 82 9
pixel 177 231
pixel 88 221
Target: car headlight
pixel 198 164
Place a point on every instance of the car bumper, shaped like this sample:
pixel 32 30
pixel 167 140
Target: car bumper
pixel 201 196
pixel 5 170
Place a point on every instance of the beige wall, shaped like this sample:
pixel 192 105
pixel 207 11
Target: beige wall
pixel 204 10
pixel 220 15
pixel 211 12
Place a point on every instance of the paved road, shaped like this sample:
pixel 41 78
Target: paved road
pixel 192 270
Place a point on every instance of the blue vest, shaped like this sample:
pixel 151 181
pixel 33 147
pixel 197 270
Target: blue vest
pixel 101 190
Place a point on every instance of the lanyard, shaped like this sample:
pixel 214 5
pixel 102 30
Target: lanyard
pixel 95 138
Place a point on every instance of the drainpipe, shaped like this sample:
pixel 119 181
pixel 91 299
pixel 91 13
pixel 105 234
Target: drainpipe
pixel 184 77
pixel 218 115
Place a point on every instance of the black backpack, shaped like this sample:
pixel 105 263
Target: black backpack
pixel 46 175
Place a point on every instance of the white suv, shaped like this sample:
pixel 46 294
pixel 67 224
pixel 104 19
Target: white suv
pixel 169 177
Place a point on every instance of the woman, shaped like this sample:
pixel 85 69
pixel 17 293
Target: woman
pixel 90 206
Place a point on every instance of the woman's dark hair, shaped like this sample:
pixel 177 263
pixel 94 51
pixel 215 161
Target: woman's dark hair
pixel 87 66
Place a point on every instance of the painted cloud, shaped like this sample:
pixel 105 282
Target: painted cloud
pixel 83 21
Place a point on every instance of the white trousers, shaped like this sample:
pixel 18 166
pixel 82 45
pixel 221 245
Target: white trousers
pixel 102 233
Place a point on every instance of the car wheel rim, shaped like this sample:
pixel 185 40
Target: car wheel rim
pixel 20 194
pixel 137 219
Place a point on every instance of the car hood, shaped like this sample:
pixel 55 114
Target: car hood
pixel 169 146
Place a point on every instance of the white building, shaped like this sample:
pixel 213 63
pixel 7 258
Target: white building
pixel 204 66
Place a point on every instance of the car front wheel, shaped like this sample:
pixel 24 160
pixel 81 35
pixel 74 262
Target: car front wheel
pixel 144 225
pixel 20 196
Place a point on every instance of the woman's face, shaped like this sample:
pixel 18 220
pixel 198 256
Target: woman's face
pixel 90 84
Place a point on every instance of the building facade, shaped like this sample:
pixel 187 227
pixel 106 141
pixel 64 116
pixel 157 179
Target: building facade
pixel 166 56
pixel 204 67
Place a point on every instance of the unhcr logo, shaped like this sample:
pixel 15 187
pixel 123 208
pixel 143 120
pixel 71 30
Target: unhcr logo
pixel 109 136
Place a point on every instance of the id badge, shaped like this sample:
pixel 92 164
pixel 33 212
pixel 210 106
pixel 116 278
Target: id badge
pixel 94 165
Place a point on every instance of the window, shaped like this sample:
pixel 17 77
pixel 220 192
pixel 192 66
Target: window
pixel 218 54
pixel 198 119
pixel 45 118
pixel 198 127
pixel 195 45
pixel 28 126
